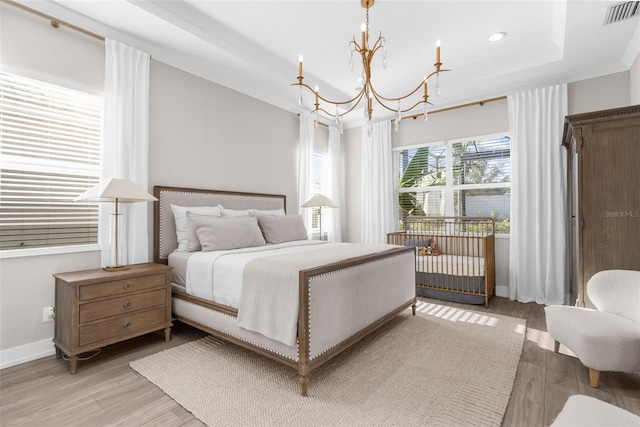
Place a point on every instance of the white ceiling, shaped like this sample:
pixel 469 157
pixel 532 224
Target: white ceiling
pixel 253 46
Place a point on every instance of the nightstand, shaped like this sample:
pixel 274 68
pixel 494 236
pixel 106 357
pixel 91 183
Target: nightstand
pixel 95 308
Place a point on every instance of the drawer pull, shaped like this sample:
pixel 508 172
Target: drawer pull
pixel 126 325
pixel 127 285
pixel 127 304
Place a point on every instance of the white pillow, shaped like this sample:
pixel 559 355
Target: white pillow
pixel 234 213
pixel 274 212
pixel 180 215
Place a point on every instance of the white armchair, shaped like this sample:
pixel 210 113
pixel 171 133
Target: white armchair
pixel 606 338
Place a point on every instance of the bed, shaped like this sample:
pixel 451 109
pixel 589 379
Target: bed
pixel 455 256
pixel 336 302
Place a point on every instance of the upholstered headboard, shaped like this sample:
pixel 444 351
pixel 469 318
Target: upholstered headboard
pixel 165 240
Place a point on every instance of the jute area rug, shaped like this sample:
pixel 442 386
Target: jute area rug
pixel 443 367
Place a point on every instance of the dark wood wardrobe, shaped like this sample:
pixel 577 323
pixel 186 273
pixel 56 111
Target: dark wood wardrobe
pixel 603 194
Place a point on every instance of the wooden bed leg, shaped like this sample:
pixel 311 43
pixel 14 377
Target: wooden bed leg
pixel 413 308
pixel 304 385
pixel 594 377
pixel 556 346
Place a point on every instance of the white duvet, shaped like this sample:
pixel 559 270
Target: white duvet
pixel 217 276
pixel 262 283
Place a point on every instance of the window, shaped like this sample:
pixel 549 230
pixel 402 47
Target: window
pixel 470 177
pixel 49 154
pixel 321 183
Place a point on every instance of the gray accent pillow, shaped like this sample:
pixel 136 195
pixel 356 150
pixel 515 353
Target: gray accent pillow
pixel 182 229
pixel 218 234
pixel 280 229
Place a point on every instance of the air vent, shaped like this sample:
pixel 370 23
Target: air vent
pixel 621 11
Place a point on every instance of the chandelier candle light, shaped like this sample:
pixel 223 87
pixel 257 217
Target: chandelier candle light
pixel 368 92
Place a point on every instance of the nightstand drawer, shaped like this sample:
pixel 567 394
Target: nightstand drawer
pixel 120 287
pixel 121 305
pixel 121 325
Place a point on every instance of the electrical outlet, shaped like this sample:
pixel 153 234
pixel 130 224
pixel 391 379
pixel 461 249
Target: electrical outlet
pixel 48 314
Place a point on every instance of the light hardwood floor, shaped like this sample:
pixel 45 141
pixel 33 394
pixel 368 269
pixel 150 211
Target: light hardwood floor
pixel 106 391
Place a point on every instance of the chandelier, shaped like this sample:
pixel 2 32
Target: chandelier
pixel 368 93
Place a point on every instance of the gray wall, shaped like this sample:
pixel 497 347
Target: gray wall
pixel 601 93
pixel 634 77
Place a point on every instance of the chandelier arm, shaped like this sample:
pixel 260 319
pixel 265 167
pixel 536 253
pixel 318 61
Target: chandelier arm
pixel 353 106
pixel 379 97
pixel 324 111
pixel 436 72
pixel 414 106
pixel 328 100
pixel 339 115
pixel 378 44
pixel 402 111
pixel 356 100
pixel 357 46
pixel 343 114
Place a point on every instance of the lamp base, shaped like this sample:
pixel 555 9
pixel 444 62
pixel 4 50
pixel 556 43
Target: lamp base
pixel 115 267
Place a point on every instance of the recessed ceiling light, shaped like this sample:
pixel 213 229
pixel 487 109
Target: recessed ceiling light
pixel 497 36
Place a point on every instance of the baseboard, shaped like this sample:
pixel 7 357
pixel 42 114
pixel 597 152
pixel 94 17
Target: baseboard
pixel 26 353
pixel 502 291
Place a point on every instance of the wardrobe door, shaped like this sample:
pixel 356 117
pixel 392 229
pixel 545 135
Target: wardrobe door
pixel 609 196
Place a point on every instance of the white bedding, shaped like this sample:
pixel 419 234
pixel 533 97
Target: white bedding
pixel 217 276
pixel 457 265
pixel 262 282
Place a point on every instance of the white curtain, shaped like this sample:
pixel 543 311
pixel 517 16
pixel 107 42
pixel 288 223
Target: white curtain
pixel 378 203
pixel 125 147
pixel 305 155
pixel 538 247
pixel 334 229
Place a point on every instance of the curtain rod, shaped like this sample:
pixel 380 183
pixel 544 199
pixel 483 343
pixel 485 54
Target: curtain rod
pixel 455 107
pixel 55 23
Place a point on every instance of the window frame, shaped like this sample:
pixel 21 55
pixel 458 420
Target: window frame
pixel 38 165
pixel 321 159
pixel 449 188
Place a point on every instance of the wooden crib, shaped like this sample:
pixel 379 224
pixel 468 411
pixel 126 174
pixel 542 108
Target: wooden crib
pixel 455 256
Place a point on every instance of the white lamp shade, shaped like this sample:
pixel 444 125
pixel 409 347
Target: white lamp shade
pixel 318 200
pixel 123 190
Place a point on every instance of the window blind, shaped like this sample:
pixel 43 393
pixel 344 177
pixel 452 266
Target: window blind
pixel 49 154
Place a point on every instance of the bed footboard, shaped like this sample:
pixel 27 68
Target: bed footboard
pixel 378 287
pixel 339 304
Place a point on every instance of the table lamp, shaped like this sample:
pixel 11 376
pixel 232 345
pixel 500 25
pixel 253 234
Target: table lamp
pixel 118 191
pixel 319 201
